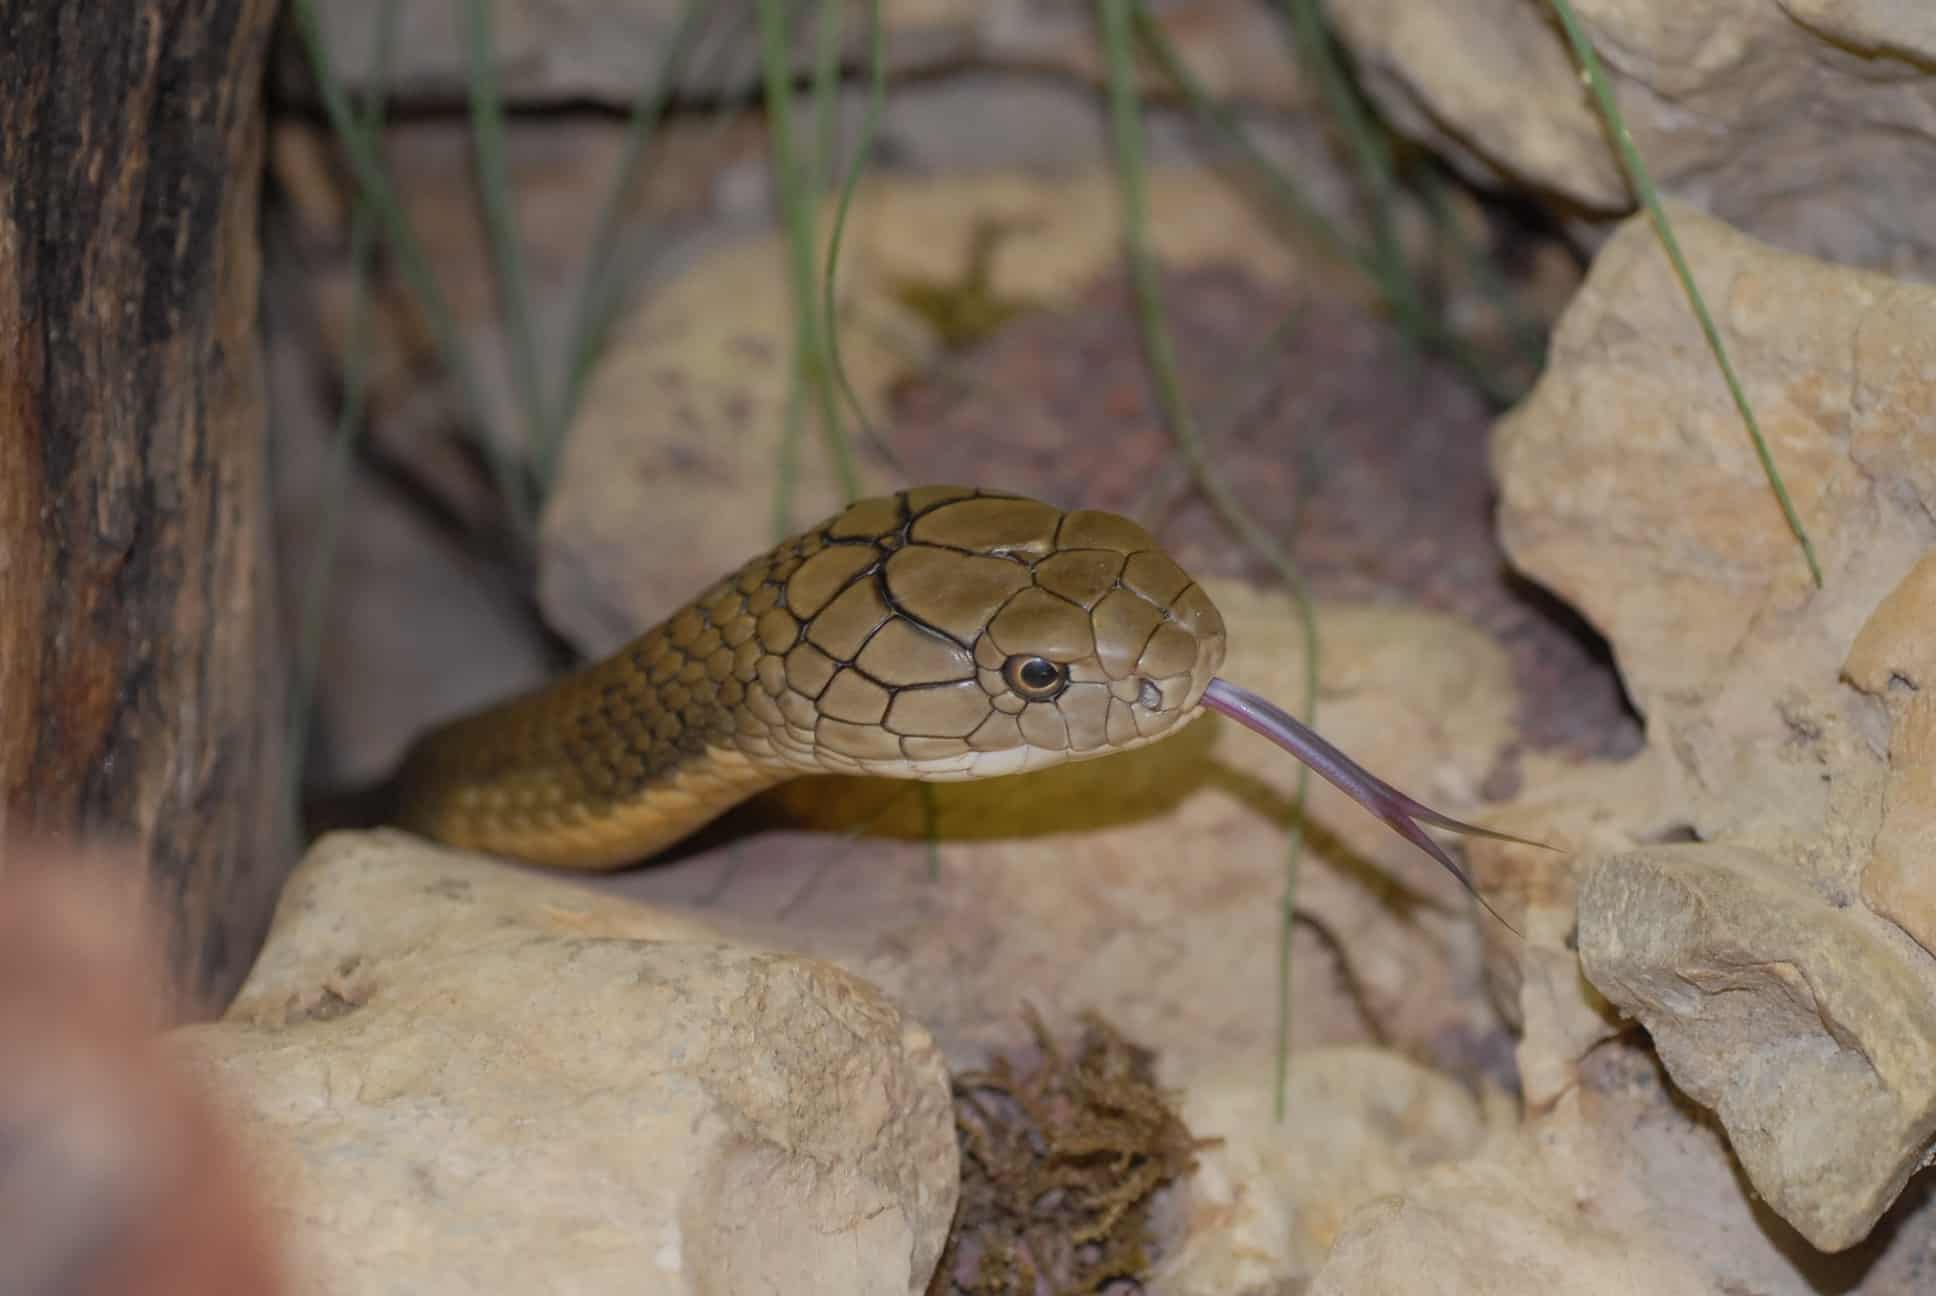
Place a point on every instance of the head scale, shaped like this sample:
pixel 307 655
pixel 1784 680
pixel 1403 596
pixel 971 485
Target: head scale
pixel 953 633
pixel 950 633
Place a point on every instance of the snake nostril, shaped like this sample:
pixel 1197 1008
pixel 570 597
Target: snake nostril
pixel 1150 696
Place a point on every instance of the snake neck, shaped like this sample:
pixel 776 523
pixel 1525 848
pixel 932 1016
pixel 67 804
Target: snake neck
pixel 612 762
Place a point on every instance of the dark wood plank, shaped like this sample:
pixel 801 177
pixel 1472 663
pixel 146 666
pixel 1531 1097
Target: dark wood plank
pixel 141 693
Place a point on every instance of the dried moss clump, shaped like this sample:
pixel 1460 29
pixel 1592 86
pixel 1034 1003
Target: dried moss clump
pixel 1061 1163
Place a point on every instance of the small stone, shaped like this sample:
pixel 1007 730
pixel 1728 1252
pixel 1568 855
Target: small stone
pixel 1809 1029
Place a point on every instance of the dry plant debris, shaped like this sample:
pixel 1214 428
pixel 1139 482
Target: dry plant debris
pixel 1062 1162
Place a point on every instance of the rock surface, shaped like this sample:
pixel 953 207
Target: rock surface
pixel 1491 1227
pixel 1808 1027
pixel 465 1078
pixel 1622 1186
pixel 604 50
pixel 1893 662
pixel 1808 123
pixel 1269 1201
pixel 1782 719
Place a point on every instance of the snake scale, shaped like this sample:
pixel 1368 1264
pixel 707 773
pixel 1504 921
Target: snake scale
pixel 940 633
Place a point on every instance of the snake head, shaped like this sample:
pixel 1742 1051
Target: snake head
pixel 951 633
pixel 947 633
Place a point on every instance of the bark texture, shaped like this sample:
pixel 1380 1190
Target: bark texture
pixel 140 683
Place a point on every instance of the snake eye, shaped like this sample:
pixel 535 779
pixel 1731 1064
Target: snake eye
pixel 1036 678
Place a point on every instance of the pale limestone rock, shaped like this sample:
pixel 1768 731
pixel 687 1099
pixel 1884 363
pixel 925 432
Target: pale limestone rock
pixel 464 1078
pixel 1492 1228
pixel 1267 1203
pixel 1809 123
pixel 1622 1186
pixel 1629 486
pixel 1534 975
pixel 1809 1027
pixel 1893 660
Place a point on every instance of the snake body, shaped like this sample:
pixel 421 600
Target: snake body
pixel 940 633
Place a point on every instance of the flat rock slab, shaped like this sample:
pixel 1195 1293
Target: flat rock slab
pixel 463 1078
pixel 1809 1028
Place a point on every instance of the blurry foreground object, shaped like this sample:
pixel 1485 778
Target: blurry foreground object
pixel 115 1173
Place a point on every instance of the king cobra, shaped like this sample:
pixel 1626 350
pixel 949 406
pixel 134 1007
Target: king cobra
pixel 941 633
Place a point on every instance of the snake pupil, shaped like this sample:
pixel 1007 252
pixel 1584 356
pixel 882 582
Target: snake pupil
pixel 1036 677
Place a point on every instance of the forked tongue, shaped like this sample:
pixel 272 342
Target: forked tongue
pixel 1402 814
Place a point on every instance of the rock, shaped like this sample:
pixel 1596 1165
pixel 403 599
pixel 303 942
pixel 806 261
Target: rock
pixel 1494 1228
pixel 1621 1186
pixel 1723 643
pixel 1744 671
pixel 1270 1198
pixel 119 1173
pixel 1837 91
pixel 605 50
pixel 1891 661
pixel 464 1078
pixel 1809 1028
pixel 1579 809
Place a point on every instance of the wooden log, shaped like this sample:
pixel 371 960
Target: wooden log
pixel 141 695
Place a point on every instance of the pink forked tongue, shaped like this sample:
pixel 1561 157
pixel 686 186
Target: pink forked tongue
pixel 1397 810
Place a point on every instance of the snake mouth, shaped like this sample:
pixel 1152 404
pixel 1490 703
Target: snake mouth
pixel 1397 811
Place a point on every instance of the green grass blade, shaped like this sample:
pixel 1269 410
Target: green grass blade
pixel 612 268
pixel 1284 194
pixel 787 461
pixel 601 288
pixel 1131 165
pixel 1643 184
pixel 1258 358
pixel 334 491
pixel 1525 333
pixel 826 95
pixel 830 322
pixel 1312 40
pixel 1221 122
pixel 796 204
pixel 501 228
pixel 366 164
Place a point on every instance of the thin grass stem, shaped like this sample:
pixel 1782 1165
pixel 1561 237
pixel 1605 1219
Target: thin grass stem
pixel 603 283
pixel 1131 165
pixel 360 147
pixel 507 246
pixel 830 321
pixel 796 204
pixel 334 490
pixel 1643 184
pixel 1283 193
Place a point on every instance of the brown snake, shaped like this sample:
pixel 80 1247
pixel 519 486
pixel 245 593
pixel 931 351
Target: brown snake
pixel 941 633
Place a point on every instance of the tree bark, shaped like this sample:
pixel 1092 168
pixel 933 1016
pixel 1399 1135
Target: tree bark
pixel 141 687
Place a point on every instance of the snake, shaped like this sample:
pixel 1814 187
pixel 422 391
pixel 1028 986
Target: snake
pixel 939 633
